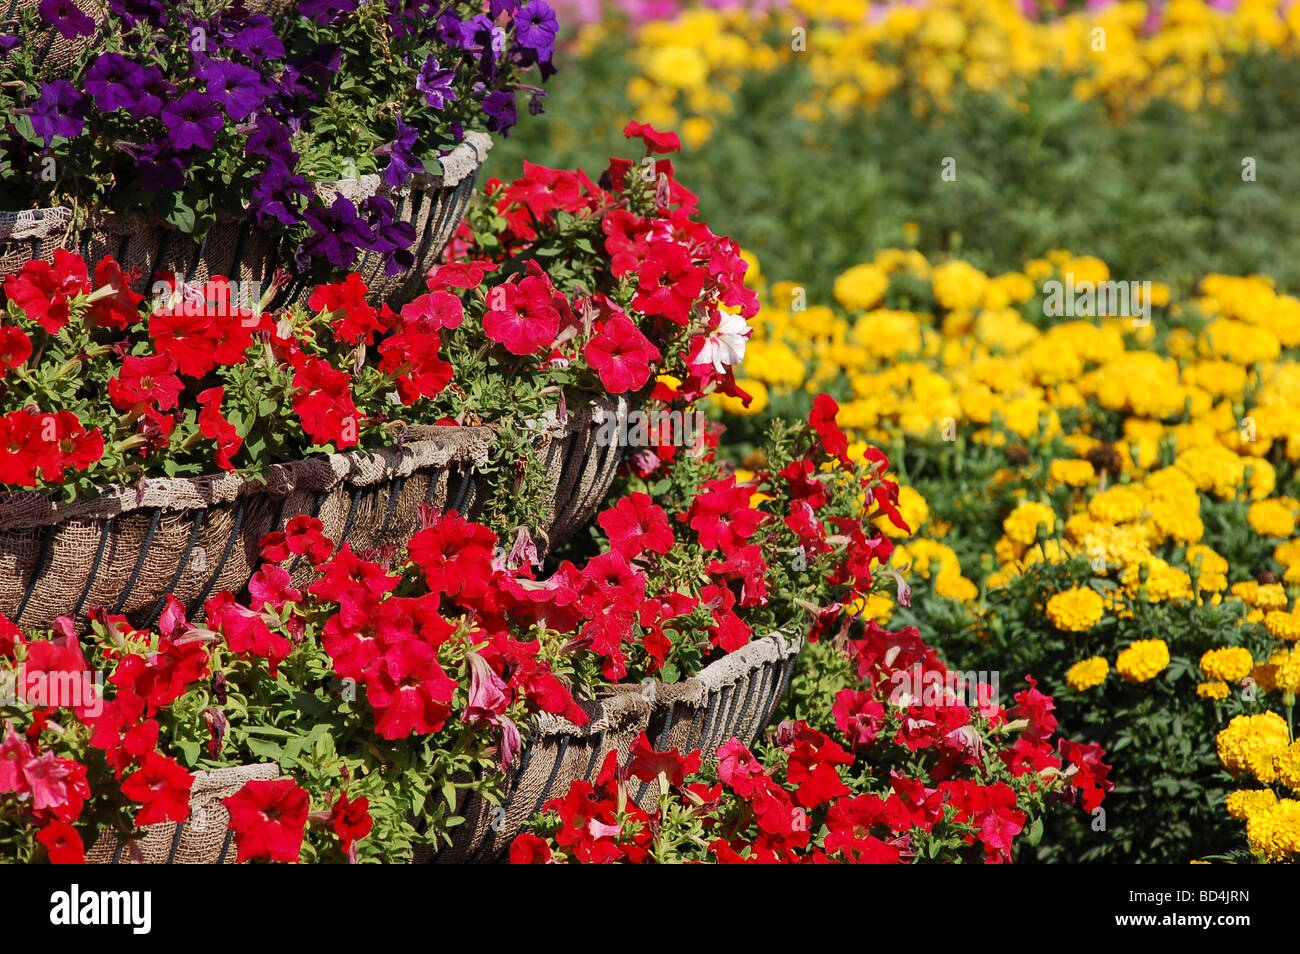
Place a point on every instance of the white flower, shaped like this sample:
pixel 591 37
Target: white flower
pixel 725 344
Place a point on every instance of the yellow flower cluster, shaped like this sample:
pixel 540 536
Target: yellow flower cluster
pixel 857 53
pixel 1076 610
pixel 1250 743
pixel 1087 673
pixel 1275 832
pixel 1144 659
pixel 1227 665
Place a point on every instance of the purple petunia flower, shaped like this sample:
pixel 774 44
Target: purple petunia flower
pixel 323 11
pixel 339 233
pixel 237 89
pixel 154 91
pixel 501 111
pixel 160 168
pixel 67 18
pixel 498 7
pixel 275 196
pixel 152 12
pixel 255 39
pixel 273 141
pixel 392 239
pixel 402 163
pixel 8 43
pixel 192 121
pixel 60 111
pixel 536 27
pixel 435 83
pixel 115 82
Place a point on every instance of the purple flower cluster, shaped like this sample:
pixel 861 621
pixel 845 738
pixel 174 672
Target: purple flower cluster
pixel 255 85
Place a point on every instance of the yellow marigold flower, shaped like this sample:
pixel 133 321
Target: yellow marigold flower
pixel 1022 524
pixel 1251 742
pixel 861 287
pixel 1245 802
pixel 1275 832
pixel 1076 610
pixel 1072 473
pixel 1212 690
pixel 1287 675
pixel 1087 673
pixel 1283 625
pixel 952 585
pixel 1228 664
pixel 1271 518
pixel 1144 659
pixel 1116 505
pixel 1286 767
pixel 958 284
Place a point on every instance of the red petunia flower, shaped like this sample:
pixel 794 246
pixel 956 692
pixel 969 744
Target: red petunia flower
pixel 302 535
pixel 15 348
pixel 353 319
pixel 458 275
pixel 636 524
pixel 114 304
pixel 44 291
pixel 147 381
pixel 63 844
pixel 213 425
pixel 647 764
pixel 269 819
pixel 455 555
pixel 162 786
pixel 655 141
pixel 323 402
pixel 351 822
pixel 409 691
pixel 668 283
pixel 721 515
pixel 522 316
pixel 621 355
pixel 528 849
pixel 822 420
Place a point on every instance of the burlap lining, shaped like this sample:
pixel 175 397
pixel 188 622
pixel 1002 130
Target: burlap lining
pixel 236 249
pixel 193 537
pixel 732 697
pixel 579 469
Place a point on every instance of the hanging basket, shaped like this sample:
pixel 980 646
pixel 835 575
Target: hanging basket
pixel 732 697
pixel 128 548
pixel 238 250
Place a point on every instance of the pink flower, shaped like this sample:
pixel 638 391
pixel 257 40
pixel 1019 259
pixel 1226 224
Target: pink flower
pixel 272 586
pixel 47 777
pixel 14 754
pixel 488 701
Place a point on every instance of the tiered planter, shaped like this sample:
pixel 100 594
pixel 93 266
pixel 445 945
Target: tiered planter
pixel 732 697
pixel 238 250
pixel 129 548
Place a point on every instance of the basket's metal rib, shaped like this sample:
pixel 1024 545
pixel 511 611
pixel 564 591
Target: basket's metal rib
pixel 139 562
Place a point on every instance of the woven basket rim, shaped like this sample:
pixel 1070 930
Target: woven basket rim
pixel 422 446
pixel 618 703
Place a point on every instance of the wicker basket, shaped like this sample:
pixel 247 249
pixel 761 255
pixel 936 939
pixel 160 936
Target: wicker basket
pixel 236 249
pixel 130 547
pixel 580 468
pixel 733 697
